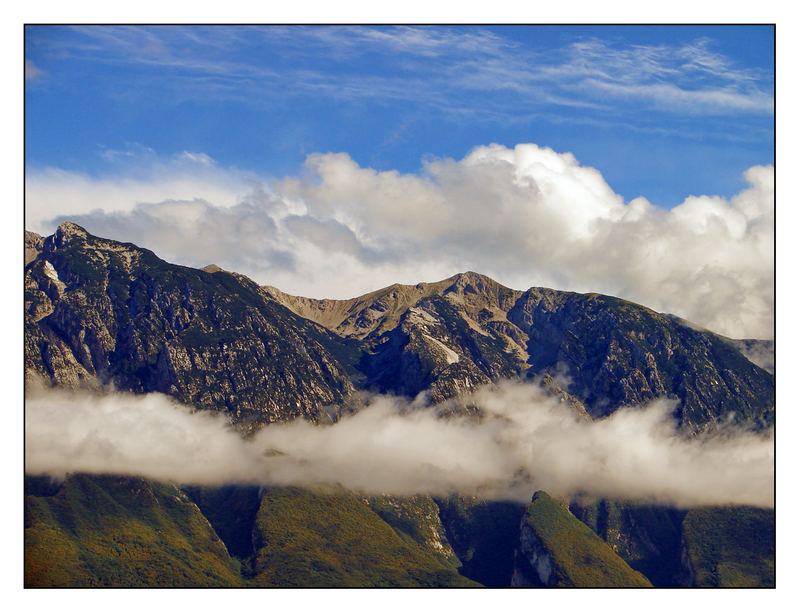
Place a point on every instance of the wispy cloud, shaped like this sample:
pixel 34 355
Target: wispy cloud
pixel 197 158
pixel 437 68
pixel 668 95
pixel 31 71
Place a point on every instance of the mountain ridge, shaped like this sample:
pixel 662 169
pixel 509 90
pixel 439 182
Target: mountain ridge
pixel 542 330
pixel 99 311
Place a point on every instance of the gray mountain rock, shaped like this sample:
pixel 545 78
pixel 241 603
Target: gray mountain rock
pixel 100 312
pixel 599 352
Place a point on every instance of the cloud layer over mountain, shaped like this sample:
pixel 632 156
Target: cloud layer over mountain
pixel 526 441
pixel 524 216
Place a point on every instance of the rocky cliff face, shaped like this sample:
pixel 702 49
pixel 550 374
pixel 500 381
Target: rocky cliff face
pixel 533 564
pixel 618 353
pixel 416 518
pixel 451 336
pixel 99 312
pixel 647 537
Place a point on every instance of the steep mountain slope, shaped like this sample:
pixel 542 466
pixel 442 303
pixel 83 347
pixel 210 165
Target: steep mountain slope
pixel 416 519
pixel 120 531
pixel 100 312
pixel 454 335
pixel 647 537
pixel 619 353
pixel 93 531
pixel 331 538
pixel 730 546
pixel 484 534
pixel 558 550
pixel 426 337
pixel 759 352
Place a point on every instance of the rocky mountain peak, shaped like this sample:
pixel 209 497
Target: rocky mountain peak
pixel 470 277
pixel 479 291
pixel 68 230
pixel 100 312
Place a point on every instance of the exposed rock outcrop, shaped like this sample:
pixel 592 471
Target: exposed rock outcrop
pixel 102 313
pixel 598 351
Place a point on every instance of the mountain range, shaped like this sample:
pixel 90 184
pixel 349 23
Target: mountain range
pixel 100 315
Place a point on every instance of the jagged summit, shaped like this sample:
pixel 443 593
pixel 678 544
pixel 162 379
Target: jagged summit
pixel 68 232
pixel 70 228
pixel 453 335
pixel 471 277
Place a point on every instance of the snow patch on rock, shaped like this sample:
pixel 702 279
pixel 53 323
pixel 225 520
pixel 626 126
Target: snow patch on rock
pixel 421 316
pixel 450 355
pixel 50 271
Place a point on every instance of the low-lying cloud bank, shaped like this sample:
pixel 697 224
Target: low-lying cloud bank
pixel 526 441
pixel 525 216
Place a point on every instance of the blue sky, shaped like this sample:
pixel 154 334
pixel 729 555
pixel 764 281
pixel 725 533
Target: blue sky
pixel 331 161
pixel 662 112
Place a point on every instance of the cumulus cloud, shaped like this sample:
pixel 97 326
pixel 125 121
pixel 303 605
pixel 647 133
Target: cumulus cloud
pixel 525 441
pixel 137 176
pixel 525 215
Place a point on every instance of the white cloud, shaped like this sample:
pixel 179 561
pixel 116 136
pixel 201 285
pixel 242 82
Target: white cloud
pixel 667 96
pixel 142 178
pixel 31 70
pixel 527 441
pixel 197 158
pixel 525 216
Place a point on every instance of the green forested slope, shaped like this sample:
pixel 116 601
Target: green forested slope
pixel 558 550
pixel 109 531
pixel 331 538
pixel 731 546
pixel 121 531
